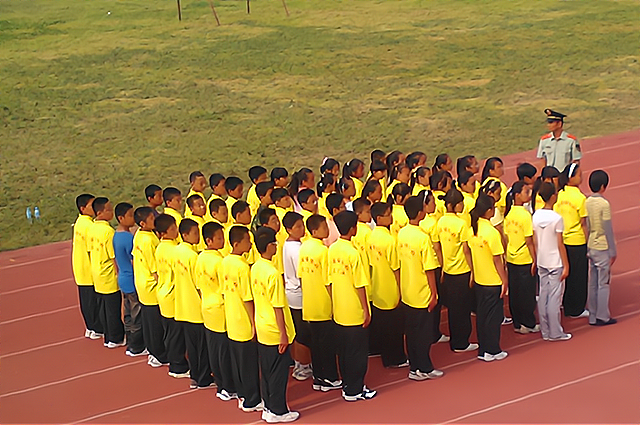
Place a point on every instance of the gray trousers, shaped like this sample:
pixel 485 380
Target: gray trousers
pixel 599 277
pixel 549 301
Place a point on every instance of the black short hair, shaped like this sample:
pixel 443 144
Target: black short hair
pixel 83 200
pixel 238 207
pixel 141 214
pixel 216 204
pixel 231 183
pixel 163 222
pixel 333 202
pixel 151 190
pixel 186 226
pixel 598 179
pixel 359 205
pixel 264 237
pixel 547 190
pixel 314 221
pixel 278 173
pixel 413 206
pixel 99 203
pixel 169 193
pixel 290 219
pixel 236 234
pixel 345 221
pixel 193 176
pixel 122 208
pixel 304 195
pixel 255 172
pixel 263 188
pixel 526 170
pixel 265 215
pixel 379 209
pixel 215 179
pixel 210 229
pixel 192 199
pixel 279 193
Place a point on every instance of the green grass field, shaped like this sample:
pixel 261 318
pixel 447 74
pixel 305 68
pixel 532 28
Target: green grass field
pixel 108 103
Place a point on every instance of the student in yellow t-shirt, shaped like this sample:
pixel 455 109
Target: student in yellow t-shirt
pixel 313 270
pixel 269 218
pixel 235 189
pixel 198 183
pixel 173 203
pixel 387 318
pixel 360 241
pixel 257 174
pixel 440 183
pixel 208 283
pixel 103 273
pixel 354 170
pixel 198 209
pixel 377 173
pixel 153 195
pixel 282 201
pixel 235 277
pixel 241 214
pixel 81 262
pixel 571 206
pixel 372 191
pixel 490 277
pixel 521 259
pixel 216 183
pixel 467 185
pixel 420 180
pixel 335 203
pixel 350 309
pixel 274 329
pixel 401 173
pixel 493 170
pixel 145 278
pixel 280 177
pixel 218 212
pixel 263 192
pixel 457 279
pixel 418 290
pixel 188 308
pixel 400 193
pixel 493 188
pixel 547 175
pixel 308 201
pixel 174 341
pixel 326 186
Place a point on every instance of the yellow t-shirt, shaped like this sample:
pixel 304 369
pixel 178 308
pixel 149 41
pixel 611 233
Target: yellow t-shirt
pixel 517 227
pixel 389 189
pixel 165 256
pixel 484 246
pixel 252 200
pixel 469 201
pixel 383 254
pixel 278 259
pixel 305 215
pixel 400 219
pixel 539 202
pixel 249 256
pixel 571 206
pixel 361 242
pixel 207 216
pixel 267 286
pixel 441 208
pixel 346 274
pixel 453 234
pixel 177 216
pixel 416 257
pixel 80 251
pixel 187 211
pixel 313 270
pixel 502 202
pixel 417 188
pixel 428 224
pixel 235 276
pixel 230 201
pixel 103 270
pixel 144 266
pixel 208 282
pixel 202 245
pixel 358 186
pixel 188 301
pixel 322 206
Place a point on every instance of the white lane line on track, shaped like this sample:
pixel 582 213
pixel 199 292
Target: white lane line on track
pixel 41 347
pixel 42 285
pixel 44 313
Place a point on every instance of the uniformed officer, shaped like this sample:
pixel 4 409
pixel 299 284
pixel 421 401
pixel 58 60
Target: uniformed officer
pixel 558 148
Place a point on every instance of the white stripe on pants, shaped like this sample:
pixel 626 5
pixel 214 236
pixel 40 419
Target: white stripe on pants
pixel 549 301
pixel 599 277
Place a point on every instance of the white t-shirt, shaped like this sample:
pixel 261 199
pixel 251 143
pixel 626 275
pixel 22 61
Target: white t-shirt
pixel 547 224
pixel 290 256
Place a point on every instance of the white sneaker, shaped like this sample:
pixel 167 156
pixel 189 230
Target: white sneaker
pixel 303 372
pixel 487 357
pixel 87 333
pixel 186 374
pixel 266 415
pixel 325 385
pixel 257 408
pixel 287 417
pixel 534 329
pixel 115 344
pixel 443 338
pixel 366 394
pixel 422 376
pixel 564 337
pixel 470 347
pixel 401 365
pixel 153 362
pixel 581 315
pixel 95 335
pixel 501 355
pixel 132 354
pixel 225 395
pixel 507 321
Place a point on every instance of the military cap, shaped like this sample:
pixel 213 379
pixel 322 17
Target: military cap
pixel 554 116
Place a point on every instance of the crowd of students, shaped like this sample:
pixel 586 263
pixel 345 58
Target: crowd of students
pixel 320 273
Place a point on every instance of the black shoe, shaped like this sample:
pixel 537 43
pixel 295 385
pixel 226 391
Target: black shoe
pixel 611 321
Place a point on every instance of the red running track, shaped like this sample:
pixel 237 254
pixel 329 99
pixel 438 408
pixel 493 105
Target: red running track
pixel 49 373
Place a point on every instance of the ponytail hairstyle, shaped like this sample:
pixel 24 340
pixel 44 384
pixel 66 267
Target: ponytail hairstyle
pixel 484 203
pixel 511 195
pixel 370 186
pixel 377 166
pixel 464 177
pixel 439 179
pixel 413 159
pixel 420 172
pixel 427 196
pixel 463 163
pixel 490 187
pixel 326 181
pixel 489 165
pixel 351 167
pixel 568 172
pixel 344 184
pixel 400 190
pixel 452 198
pixel 547 190
pixel 392 160
pixel 328 164
pixel 296 181
pixel 547 173
pixel 378 155
pixel 398 169
pixel 440 161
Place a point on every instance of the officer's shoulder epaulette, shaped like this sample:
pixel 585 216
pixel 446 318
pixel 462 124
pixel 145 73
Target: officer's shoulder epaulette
pixel 571 136
pixel 546 136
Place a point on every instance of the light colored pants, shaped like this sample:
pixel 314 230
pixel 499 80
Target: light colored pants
pixel 549 301
pixel 599 277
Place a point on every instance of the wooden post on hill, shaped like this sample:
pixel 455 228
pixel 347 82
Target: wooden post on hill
pixel 179 11
pixel 284 3
pixel 248 8
pixel 213 9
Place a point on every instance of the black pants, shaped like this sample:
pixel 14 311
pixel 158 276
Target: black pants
pixel 153 332
pixel 387 330
pixel 110 310
pixel 324 350
pixel 438 308
pixel 489 318
pixel 133 323
pixel 419 330
pixel 175 345
pixel 575 289
pixel 197 353
pixel 522 295
pixel 89 308
pixel 353 357
pixel 274 368
pixel 220 360
pixel 459 304
pixel 246 371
